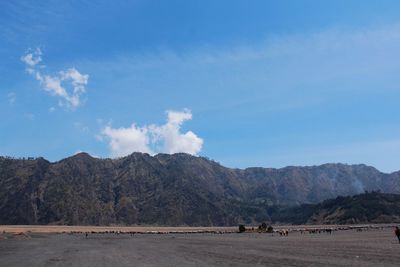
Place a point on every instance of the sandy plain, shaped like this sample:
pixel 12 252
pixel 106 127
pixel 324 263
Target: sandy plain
pixel 370 247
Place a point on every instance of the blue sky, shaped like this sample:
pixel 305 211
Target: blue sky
pixel 246 83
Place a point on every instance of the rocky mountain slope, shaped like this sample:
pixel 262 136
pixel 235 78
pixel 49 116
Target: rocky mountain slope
pixel 372 207
pixel 177 189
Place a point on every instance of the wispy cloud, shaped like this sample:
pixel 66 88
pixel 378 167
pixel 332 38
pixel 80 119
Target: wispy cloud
pixel 29 116
pixel 81 127
pixel 288 71
pixel 166 138
pixel 33 58
pixel 55 84
pixel 12 97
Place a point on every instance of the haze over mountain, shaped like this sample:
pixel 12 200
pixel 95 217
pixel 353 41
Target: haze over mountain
pixel 369 207
pixel 177 189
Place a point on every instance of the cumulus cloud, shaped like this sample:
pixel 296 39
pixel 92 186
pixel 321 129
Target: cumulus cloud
pixel 124 141
pixel 170 137
pixel 152 139
pixel 57 85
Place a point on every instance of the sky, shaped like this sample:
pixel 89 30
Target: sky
pixel 245 83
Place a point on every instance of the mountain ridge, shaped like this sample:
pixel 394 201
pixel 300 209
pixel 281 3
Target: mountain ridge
pixel 88 155
pixel 177 189
pixel 369 207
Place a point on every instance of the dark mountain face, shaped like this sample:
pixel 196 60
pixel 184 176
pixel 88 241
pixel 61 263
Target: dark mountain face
pixel 165 189
pixel 372 207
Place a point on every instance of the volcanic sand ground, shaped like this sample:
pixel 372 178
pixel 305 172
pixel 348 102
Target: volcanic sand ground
pixel 374 247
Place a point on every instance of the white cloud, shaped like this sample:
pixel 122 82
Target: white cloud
pixel 172 140
pixel 32 58
pixel 166 138
pixel 78 80
pixel 124 141
pixel 55 85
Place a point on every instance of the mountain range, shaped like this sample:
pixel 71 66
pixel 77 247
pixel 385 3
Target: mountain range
pixel 369 207
pixel 177 189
